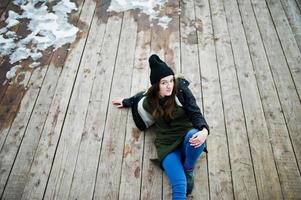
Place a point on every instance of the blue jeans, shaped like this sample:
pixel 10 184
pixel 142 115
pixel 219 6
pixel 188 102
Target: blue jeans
pixel 177 162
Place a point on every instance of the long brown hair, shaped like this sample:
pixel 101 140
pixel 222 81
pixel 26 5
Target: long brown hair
pixel 159 110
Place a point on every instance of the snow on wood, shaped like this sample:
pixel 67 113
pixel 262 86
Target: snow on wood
pixel 47 29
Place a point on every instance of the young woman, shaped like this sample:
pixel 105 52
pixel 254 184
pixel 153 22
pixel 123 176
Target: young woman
pixel 180 128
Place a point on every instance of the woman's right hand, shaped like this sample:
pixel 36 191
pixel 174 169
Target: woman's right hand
pixel 118 102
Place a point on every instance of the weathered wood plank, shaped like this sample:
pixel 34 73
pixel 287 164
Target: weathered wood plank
pixel 109 171
pixel 218 156
pixel 237 138
pixel 190 63
pixel 286 89
pixel 40 169
pixel 172 53
pixel 16 136
pixel 264 163
pixel 299 4
pixel 10 104
pixel 10 107
pixel 282 148
pixel 4 4
pixel 151 186
pixel 293 15
pixel 62 173
pixel 28 132
pixel 83 186
pixel 134 142
pixel 85 171
pixel 287 42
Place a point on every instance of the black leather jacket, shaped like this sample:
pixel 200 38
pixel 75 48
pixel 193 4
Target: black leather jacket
pixel 185 97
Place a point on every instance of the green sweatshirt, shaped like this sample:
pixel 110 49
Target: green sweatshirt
pixel 169 134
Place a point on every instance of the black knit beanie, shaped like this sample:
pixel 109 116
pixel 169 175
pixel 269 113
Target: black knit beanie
pixel 159 69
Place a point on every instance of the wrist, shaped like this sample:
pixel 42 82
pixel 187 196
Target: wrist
pixel 204 131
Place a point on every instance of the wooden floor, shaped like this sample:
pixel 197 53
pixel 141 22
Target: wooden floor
pixel 61 138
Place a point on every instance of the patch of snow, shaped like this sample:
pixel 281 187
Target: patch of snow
pixel 12 20
pixel 12 72
pixel 6 45
pixel 19 54
pixel 36 55
pixel 151 8
pixel 34 64
pixel 21 2
pixel 164 21
pixel 3 30
pixel 64 7
pixel 10 34
pixel 46 29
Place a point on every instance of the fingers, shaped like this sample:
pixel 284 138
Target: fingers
pixel 117 103
pixel 196 140
pixel 114 101
pixel 196 144
pixel 193 138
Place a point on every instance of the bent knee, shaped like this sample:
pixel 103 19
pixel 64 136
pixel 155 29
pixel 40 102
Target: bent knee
pixel 191 133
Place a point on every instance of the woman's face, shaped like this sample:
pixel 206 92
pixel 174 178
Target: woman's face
pixel 166 86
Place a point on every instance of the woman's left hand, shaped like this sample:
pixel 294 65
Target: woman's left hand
pixel 198 138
